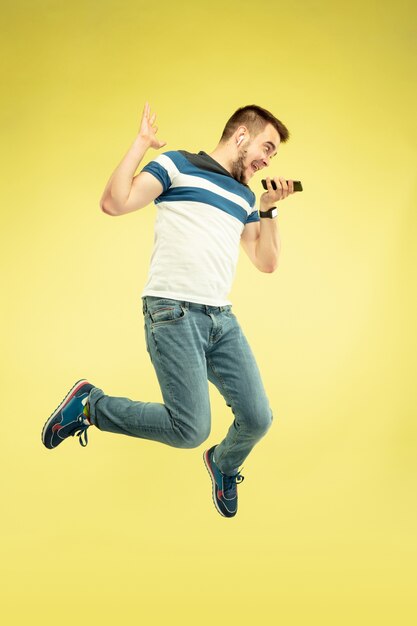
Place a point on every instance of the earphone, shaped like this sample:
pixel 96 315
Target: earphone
pixel 240 140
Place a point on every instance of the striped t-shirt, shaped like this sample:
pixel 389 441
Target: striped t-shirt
pixel 202 212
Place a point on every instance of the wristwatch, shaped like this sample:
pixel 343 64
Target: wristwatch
pixel 272 212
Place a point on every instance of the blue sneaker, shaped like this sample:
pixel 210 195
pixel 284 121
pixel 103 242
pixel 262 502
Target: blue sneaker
pixel 69 418
pixel 224 487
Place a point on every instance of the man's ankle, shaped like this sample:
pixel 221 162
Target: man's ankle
pixel 86 413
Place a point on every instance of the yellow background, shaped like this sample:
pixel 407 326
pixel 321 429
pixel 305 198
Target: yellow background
pixel 125 531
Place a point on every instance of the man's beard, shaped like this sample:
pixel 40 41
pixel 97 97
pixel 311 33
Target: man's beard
pixel 238 168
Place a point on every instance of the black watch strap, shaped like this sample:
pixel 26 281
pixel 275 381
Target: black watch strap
pixel 272 212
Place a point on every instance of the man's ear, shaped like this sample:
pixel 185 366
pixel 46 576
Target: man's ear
pixel 242 130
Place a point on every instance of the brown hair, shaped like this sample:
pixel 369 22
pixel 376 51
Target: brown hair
pixel 255 119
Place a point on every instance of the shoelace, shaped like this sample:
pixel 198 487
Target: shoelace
pixel 230 482
pixel 80 431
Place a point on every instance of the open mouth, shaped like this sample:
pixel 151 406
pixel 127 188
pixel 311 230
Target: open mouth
pixel 254 167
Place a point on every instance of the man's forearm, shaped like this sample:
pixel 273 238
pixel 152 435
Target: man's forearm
pixel 120 183
pixel 269 243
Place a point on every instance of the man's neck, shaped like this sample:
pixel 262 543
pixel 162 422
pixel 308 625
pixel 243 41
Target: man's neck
pixel 222 157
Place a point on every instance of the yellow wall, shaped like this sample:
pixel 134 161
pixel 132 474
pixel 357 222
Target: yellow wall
pixel 125 531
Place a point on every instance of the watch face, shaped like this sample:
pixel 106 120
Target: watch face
pixel 274 212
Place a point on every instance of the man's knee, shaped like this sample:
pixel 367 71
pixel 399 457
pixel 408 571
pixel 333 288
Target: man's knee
pixel 263 423
pixel 195 436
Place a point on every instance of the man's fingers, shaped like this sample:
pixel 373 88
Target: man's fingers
pixel 284 187
pixel 145 112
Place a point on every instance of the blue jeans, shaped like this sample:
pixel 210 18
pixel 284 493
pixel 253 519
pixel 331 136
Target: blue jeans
pixel 190 344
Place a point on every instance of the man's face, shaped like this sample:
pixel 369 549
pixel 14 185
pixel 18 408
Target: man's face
pixel 255 153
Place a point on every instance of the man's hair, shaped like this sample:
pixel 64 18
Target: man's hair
pixel 255 119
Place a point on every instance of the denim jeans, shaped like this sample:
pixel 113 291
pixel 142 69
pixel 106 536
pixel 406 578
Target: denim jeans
pixel 190 344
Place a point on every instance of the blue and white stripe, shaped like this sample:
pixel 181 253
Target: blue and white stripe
pixel 201 216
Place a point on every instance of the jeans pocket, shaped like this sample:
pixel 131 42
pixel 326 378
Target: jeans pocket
pixel 165 311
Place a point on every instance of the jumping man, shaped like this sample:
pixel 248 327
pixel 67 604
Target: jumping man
pixel 205 209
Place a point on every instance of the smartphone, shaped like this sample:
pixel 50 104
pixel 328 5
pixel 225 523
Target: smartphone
pixel 297 184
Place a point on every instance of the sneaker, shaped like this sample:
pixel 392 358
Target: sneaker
pixel 224 487
pixel 69 418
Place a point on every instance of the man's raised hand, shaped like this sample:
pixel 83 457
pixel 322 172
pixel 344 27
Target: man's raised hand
pixel 147 131
pixel 272 195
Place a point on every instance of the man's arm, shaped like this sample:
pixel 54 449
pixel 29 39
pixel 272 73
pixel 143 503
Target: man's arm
pixel 261 242
pixel 123 193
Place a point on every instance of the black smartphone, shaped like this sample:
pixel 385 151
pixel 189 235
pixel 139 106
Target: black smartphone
pixel 297 184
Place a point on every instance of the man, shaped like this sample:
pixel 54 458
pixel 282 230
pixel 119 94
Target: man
pixel 205 208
